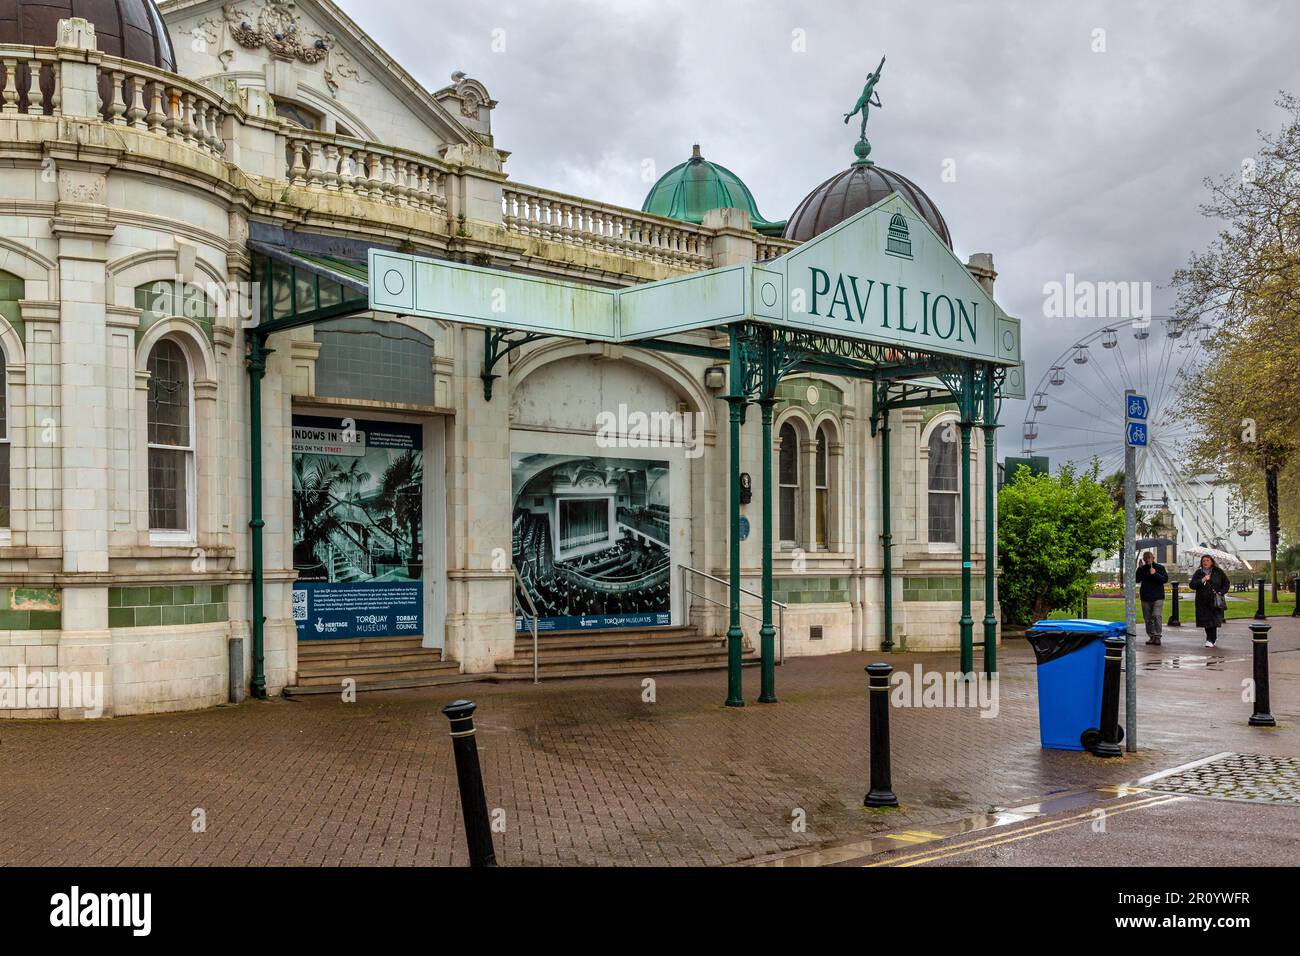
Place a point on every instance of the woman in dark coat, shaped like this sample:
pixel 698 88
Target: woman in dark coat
pixel 1211 585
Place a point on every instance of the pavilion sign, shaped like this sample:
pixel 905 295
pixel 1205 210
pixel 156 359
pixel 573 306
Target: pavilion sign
pixel 881 276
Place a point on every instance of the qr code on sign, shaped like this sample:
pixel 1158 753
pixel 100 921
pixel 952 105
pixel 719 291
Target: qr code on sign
pixel 299 605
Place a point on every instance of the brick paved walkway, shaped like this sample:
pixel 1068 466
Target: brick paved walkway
pixel 585 772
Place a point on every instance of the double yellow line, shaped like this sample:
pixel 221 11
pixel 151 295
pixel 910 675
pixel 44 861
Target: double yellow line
pixel 1021 833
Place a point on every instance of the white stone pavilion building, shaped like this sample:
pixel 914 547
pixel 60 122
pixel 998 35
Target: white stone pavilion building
pixel 157 162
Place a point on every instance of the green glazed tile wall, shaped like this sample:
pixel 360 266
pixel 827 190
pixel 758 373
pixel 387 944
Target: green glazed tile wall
pixel 814 590
pixel 164 298
pixel 172 604
pixel 942 588
pixel 11 291
pixel 794 391
pixel 31 609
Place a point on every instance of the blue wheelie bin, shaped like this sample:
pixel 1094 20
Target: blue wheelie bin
pixel 1071 662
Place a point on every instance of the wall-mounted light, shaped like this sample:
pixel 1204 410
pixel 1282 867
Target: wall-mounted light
pixel 715 377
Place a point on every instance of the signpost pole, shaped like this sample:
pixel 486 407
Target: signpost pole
pixel 967 623
pixel 1130 579
pixel 990 522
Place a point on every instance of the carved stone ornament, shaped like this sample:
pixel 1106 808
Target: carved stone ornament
pixel 472 95
pixel 276 30
pixel 81 187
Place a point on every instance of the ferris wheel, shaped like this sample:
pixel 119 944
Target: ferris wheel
pixel 1076 415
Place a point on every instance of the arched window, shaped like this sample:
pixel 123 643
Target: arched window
pixel 171 439
pixel 788 485
pixel 11 293
pixel 945 457
pixel 823 487
pixel 296 114
pixel 167 297
pixel 4 442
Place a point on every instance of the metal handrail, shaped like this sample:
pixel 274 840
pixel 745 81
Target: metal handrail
pixel 780 607
pixel 532 608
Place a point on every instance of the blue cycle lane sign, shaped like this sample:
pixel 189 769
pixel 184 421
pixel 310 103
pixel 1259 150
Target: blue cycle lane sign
pixel 1135 426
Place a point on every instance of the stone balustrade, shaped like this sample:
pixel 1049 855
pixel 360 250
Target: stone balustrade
pixel 769 247
pixel 153 101
pixel 83 83
pixel 129 94
pixel 369 170
pixel 556 217
pixel 31 84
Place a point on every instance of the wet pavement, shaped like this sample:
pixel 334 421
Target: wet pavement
pixel 591 772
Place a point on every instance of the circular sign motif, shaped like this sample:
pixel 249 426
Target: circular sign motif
pixel 814 396
pixel 1008 340
pixel 768 294
pixel 394 283
pixel 744 527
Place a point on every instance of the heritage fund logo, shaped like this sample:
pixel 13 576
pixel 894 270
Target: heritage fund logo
pixel 48 688
pixel 637 429
pixel 1083 299
pixel 76 909
pixel 944 689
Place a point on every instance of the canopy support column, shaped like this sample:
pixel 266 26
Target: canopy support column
pixel 256 361
pixel 735 636
pixel 990 520
pixel 886 534
pixel 880 425
pixel 967 623
pixel 767 633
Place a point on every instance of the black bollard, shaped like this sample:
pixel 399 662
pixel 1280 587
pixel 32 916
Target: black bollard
pixel 1259 610
pixel 1173 615
pixel 1259 638
pixel 1108 744
pixel 473 804
pixel 1295 584
pixel 881 794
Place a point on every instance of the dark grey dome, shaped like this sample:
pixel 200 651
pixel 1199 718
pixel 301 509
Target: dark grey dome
pixel 851 191
pixel 131 29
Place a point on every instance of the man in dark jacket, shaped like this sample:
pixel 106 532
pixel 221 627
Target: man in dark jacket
pixel 1151 579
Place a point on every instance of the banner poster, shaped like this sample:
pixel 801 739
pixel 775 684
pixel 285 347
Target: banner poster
pixel 590 541
pixel 358 528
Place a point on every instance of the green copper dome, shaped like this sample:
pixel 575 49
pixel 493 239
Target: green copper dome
pixel 688 191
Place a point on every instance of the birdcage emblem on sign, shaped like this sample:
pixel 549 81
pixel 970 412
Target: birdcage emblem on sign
pixel 898 241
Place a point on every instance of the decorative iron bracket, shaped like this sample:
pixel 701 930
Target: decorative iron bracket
pixel 497 344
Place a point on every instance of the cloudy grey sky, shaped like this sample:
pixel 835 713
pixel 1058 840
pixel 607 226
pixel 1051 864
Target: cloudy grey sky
pixel 1066 159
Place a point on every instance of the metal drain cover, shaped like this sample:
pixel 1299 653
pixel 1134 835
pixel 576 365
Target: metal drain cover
pixel 1256 778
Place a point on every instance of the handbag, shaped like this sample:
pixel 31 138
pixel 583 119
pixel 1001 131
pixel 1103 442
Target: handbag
pixel 1220 602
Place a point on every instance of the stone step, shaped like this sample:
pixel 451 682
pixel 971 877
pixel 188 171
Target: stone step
pixel 696 648
pixel 336 672
pixel 525 646
pixel 633 660
pixel 609 638
pixel 400 683
pixel 394 659
pixel 309 649
pixel 605 670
